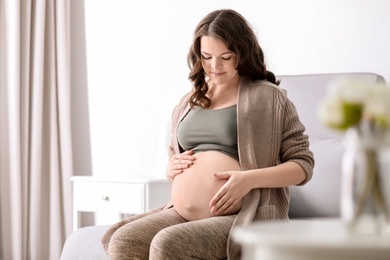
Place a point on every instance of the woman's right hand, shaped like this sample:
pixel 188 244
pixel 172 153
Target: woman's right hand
pixel 178 163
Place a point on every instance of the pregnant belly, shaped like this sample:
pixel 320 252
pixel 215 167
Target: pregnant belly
pixel 193 189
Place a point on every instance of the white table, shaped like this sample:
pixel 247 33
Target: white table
pixel 322 239
pixel 123 196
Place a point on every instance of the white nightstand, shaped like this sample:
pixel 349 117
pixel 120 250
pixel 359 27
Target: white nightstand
pixel 123 196
pixel 320 239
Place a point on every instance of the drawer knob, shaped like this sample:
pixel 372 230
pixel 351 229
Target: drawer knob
pixel 106 198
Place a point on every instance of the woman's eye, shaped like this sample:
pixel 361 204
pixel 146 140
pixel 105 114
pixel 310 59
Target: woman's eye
pixel 209 57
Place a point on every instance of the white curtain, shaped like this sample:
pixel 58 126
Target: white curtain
pixel 35 131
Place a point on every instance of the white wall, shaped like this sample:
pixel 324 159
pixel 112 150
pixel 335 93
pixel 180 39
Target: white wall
pixel 129 65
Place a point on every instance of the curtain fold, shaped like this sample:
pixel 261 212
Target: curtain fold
pixel 35 129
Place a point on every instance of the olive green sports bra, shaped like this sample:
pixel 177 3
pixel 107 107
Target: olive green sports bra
pixel 205 130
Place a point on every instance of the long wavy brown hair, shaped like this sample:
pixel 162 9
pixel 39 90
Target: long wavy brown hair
pixel 234 30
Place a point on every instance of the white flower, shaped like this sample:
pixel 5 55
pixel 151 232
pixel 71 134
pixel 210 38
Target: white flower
pixel 330 112
pixel 350 101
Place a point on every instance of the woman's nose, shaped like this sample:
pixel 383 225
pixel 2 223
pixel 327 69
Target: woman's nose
pixel 215 63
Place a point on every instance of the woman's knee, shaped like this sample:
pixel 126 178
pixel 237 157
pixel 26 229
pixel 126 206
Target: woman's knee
pixel 165 244
pixel 129 243
pixel 132 241
pixel 176 243
pixel 186 241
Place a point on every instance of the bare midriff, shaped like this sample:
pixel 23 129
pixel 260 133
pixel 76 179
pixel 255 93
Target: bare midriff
pixel 193 189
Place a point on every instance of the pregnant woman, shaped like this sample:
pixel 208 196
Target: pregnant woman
pixel 237 145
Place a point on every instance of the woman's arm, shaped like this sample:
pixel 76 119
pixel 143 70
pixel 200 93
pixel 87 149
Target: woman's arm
pixel 282 175
pixel 239 183
pixel 295 167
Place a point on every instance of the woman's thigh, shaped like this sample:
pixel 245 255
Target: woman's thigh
pixel 132 240
pixel 200 239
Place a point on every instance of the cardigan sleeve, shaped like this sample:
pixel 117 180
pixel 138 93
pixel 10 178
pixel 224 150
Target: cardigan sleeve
pixel 177 114
pixel 295 143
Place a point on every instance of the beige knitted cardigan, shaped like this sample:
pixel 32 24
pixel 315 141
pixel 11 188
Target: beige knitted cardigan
pixel 269 133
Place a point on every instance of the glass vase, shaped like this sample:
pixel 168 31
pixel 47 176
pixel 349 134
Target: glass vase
pixel 365 189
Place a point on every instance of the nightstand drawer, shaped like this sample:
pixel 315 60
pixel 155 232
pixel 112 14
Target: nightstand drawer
pixel 100 196
pixel 120 197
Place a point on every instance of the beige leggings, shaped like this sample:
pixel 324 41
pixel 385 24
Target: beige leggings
pixel 166 235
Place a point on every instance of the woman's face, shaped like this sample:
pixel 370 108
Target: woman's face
pixel 218 62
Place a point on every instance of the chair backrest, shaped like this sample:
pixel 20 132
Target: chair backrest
pixel 320 197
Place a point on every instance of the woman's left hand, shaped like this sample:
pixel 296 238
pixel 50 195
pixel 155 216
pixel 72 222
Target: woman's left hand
pixel 231 193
